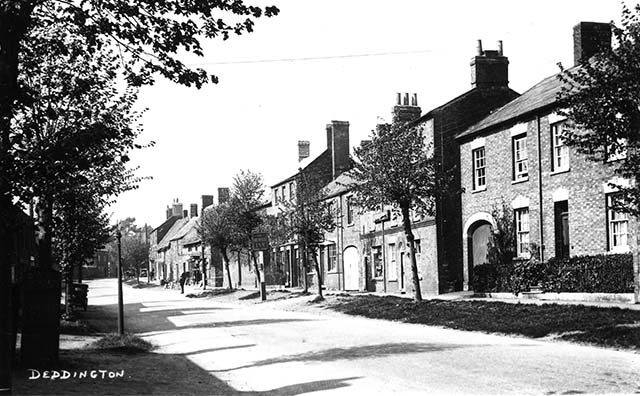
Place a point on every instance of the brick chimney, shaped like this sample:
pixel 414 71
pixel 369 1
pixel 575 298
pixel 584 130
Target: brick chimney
pixel 169 211
pixel 194 210
pixel 207 200
pixel 303 149
pixel 489 68
pixel 338 147
pixel 406 108
pixel 589 38
pixel 223 195
pixel 177 208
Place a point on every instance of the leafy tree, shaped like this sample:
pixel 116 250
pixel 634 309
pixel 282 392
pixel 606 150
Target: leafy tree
pixel 307 218
pixel 245 198
pixel 602 99
pixel 397 168
pixel 217 228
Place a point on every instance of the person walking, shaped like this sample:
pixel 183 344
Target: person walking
pixel 183 279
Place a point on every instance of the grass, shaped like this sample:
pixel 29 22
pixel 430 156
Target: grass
pixel 126 343
pixel 610 327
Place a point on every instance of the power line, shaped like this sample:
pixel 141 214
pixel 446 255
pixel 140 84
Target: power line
pixel 311 58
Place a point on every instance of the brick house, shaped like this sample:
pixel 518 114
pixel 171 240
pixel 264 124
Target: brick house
pixel 560 200
pixel 327 166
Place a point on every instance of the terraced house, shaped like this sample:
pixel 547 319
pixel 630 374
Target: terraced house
pixel 561 201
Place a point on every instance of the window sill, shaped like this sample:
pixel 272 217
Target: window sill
pixel 520 181
pixel 477 190
pixel 392 280
pixel 558 172
pixel 620 249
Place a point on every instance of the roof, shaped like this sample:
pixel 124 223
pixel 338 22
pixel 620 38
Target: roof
pixel 340 185
pixel 188 231
pixel 173 231
pixel 304 165
pixel 540 96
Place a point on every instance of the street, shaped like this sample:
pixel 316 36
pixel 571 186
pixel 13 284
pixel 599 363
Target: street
pixel 256 348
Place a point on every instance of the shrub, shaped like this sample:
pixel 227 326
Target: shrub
pixel 587 274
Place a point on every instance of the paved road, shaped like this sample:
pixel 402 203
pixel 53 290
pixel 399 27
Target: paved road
pixel 254 348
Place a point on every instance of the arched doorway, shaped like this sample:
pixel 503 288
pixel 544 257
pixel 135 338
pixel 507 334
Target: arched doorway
pixel 351 271
pixel 479 235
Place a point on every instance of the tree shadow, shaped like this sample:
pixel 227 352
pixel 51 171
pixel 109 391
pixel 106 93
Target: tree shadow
pixel 353 353
pixel 306 387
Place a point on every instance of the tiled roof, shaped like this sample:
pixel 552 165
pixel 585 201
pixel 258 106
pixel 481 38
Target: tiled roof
pixel 189 232
pixel 173 231
pixel 544 94
pixel 340 185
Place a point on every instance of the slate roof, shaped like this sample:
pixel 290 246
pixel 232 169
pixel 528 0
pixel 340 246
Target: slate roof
pixel 540 96
pixel 304 165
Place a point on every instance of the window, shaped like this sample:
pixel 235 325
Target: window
pixel 291 191
pixel 349 210
pixel 377 262
pixel 416 246
pixel 559 152
pixel 331 258
pixel 520 163
pixel 479 171
pixel 393 269
pixel 522 232
pixel 618 225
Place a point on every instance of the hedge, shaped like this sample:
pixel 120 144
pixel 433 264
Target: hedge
pixel 601 273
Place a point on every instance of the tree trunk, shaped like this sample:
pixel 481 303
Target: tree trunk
pixel 317 266
pixel 252 254
pixel 303 253
pixel 68 276
pixel 406 222
pixel 226 264
pixel 43 239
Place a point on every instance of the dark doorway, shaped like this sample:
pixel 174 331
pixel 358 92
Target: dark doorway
pixel 561 214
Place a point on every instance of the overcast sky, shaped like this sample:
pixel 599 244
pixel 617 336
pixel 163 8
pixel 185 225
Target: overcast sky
pixel 323 60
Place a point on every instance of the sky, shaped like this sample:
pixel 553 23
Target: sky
pixel 324 60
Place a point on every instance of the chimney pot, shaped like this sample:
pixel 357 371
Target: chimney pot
pixel 414 99
pixel 500 47
pixel 398 99
pixel 406 99
pixel 479 48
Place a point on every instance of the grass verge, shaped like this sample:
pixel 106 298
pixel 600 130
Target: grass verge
pixel 609 327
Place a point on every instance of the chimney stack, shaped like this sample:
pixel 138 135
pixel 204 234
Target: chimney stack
pixel 338 146
pixel 194 210
pixel 177 208
pixel 207 200
pixel 223 195
pixel 407 112
pixel 589 38
pixel 185 214
pixel 303 149
pixel 169 211
pixel 489 68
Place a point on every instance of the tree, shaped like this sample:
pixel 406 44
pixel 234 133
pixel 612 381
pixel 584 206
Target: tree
pixel 245 199
pixel 217 228
pixel 397 168
pixel 307 218
pixel 602 99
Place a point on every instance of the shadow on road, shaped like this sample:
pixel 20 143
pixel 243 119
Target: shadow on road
pixel 352 353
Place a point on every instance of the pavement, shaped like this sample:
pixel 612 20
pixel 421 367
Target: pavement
pixel 257 348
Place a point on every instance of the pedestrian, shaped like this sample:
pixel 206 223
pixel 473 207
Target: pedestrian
pixel 183 279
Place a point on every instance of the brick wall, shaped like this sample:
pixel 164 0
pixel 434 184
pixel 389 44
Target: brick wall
pixel 583 186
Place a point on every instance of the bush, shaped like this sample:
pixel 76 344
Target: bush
pixel 587 274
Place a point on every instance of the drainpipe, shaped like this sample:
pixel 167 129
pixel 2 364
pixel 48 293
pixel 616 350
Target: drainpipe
pixel 541 223
pixel 340 250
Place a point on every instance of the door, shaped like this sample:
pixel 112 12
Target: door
pixel 351 271
pixel 479 241
pixel 561 210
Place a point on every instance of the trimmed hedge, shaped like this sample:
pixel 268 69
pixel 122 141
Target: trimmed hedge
pixel 601 273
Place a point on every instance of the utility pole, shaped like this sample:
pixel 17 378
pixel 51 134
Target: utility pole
pixel 120 305
pixel 146 244
pixel 204 265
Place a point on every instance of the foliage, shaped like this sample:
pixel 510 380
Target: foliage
pixel 397 168
pixel 584 274
pixel 217 228
pixel 500 249
pixel 602 98
pixel 307 217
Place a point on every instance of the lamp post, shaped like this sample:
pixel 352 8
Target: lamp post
pixel 120 305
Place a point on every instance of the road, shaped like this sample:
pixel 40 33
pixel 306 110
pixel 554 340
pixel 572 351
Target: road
pixel 256 348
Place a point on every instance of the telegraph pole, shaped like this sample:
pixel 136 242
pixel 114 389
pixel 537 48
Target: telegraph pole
pixel 120 305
